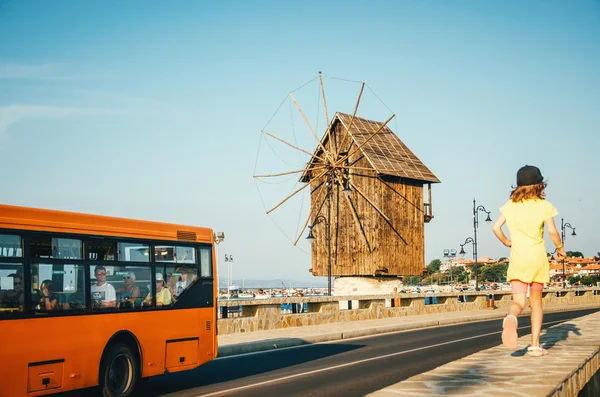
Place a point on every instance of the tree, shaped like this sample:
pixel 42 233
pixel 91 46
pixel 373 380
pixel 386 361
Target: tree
pixel 434 266
pixel 459 274
pixel 574 280
pixel 475 269
pixel 413 280
pixel 588 280
pixel 494 272
pixel 574 254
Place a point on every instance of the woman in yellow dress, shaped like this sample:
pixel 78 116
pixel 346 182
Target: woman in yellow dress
pixel 525 215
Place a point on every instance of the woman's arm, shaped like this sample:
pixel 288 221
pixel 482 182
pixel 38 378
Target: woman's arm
pixel 49 302
pixel 555 237
pixel 497 228
pixel 135 293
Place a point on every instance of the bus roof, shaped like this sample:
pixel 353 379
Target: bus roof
pixel 26 218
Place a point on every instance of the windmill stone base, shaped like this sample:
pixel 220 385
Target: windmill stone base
pixel 345 286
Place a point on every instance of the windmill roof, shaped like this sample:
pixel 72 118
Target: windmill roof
pixel 386 153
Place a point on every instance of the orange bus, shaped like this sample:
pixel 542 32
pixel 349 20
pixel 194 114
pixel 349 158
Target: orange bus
pixel 89 300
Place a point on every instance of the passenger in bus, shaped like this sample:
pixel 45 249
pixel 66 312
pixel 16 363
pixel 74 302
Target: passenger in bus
pixel 130 292
pixel 163 295
pixel 13 297
pixel 179 283
pixel 103 294
pixel 48 300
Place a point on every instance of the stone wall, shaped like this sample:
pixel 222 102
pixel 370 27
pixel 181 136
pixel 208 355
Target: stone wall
pixel 265 314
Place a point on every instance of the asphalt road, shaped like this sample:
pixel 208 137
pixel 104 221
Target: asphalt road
pixel 352 367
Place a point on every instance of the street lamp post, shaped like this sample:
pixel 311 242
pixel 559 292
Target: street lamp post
pixel 473 240
pixel 219 238
pixel 229 261
pixel 563 226
pixel 311 237
pixel 332 179
pixel 462 253
pixel 449 254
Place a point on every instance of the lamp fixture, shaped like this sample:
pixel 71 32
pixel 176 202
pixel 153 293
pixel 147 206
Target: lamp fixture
pixel 311 237
pixel 347 189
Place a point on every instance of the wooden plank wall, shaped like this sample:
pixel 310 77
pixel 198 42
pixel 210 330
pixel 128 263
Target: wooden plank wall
pixel 390 255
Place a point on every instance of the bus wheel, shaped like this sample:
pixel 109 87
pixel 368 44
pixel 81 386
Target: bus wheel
pixel 119 373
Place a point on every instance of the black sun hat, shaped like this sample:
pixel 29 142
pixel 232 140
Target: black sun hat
pixel 529 175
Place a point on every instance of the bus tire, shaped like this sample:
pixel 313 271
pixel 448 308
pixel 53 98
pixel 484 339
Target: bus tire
pixel 119 371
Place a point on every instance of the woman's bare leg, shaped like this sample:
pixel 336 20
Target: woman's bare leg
pixel 537 315
pixel 510 337
pixel 518 305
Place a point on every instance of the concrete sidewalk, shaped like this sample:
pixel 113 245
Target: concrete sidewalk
pixel 239 343
pixel 573 359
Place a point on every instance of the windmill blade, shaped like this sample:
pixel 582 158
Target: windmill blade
pixel 337 228
pixel 324 100
pixel 389 222
pixel 328 132
pixel 293 146
pixel 356 160
pixel 355 215
pixel 296 192
pixel 365 142
pixel 362 87
pixel 327 154
pixel 290 172
pixel 310 215
pixel 318 186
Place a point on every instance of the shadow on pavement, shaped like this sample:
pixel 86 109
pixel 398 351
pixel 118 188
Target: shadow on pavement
pixel 237 367
pixel 558 333
pixel 228 369
pixel 554 335
pixel 474 375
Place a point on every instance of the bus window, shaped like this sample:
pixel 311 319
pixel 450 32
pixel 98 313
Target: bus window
pixel 205 263
pixel 57 287
pixel 180 278
pixel 102 292
pixel 163 297
pixel 101 250
pixel 170 253
pixel 54 247
pixel 11 246
pixel 134 252
pixel 67 248
pixel 11 288
pixel 132 285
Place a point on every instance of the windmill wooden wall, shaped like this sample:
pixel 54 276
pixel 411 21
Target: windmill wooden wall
pixel 400 199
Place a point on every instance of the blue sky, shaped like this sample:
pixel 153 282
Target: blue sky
pixel 153 110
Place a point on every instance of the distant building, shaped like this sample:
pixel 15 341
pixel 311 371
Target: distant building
pixel 573 267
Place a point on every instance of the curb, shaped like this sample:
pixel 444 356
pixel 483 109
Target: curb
pixel 280 343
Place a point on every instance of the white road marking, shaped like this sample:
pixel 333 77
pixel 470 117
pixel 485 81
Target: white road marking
pixel 316 371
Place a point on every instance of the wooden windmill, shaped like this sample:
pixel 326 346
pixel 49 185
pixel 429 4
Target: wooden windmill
pixel 367 204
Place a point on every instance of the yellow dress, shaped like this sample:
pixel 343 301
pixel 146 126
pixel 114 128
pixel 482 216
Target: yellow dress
pixel 525 221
